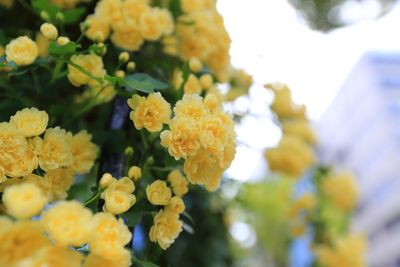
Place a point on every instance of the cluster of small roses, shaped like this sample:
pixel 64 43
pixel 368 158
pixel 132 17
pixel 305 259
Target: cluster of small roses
pixel 294 154
pixel 60 154
pixel 131 22
pixel 166 224
pixel 48 241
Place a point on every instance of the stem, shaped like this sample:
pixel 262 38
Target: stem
pixel 97 79
pixel 94 197
pixel 56 71
pixel 164 169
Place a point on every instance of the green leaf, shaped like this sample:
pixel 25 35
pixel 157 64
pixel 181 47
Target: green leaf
pixel 143 83
pixel 62 50
pixel 143 263
pixel 175 8
pixel 73 15
pixel 115 80
pixel 45 5
pixel 132 218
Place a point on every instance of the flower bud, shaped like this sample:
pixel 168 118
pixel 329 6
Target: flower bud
pixel 49 31
pixel 105 180
pixel 131 66
pixel 120 73
pixel 195 64
pixel 123 57
pixel 45 16
pixel 62 40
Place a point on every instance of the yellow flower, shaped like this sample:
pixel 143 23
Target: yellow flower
pixel 55 256
pixel 204 169
pixel 68 223
pixel 84 152
pixel 192 85
pixel 93 260
pixel 206 81
pixel 17 157
pixel 177 79
pixel 109 236
pixel 43 45
pixel 191 106
pixel 105 180
pixel 195 64
pixel 49 31
pixel 158 193
pixel 5 224
pixel 135 173
pixel 214 134
pixel 54 150
pixel 100 94
pixel 166 228
pixel 212 102
pixel 30 238
pixel 30 121
pixel 23 51
pixel 98 27
pixel 150 112
pixel 43 184
pixel 304 203
pixel 155 22
pixel 63 40
pixel 347 251
pixel 342 190
pixel 60 181
pixel 189 6
pixel 176 205
pixel 182 140
pixel 178 182
pixel 300 128
pixel 129 39
pixel 117 202
pixel 124 185
pixel 92 64
pixel 109 10
pixel 23 200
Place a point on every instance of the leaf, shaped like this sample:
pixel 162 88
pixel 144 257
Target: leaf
pixel 73 15
pixel 132 218
pixel 175 8
pixel 45 5
pixel 143 263
pixel 115 80
pixel 143 83
pixel 62 50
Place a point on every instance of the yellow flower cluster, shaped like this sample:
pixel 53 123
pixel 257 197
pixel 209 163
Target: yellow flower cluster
pixel 59 153
pixel 68 223
pixel 118 194
pixel 200 33
pixel 22 50
pixel 240 83
pixel 341 190
pixel 130 22
pixel 347 251
pixel 283 105
pixel 91 63
pixel 203 135
pixel 292 156
pixel 151 112
pixel 166 225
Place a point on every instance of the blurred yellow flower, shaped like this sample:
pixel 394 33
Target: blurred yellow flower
pixel 135 173
pixel 93 260
pixel 84 152
pixel 166 228
pixel 30 121
pixel 49 31
pixel 68 223
pixel 24 200
pixel 60 181
pixel 178 182
pixel 151 112
pixel 175 205
pixel 301 128
pixel 56 256
pixel 22 50
pixel 91 63
pixel 42 44
pixel 98 26
pixel 192 85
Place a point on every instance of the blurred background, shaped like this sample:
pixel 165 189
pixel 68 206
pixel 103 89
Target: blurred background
pixel 341 58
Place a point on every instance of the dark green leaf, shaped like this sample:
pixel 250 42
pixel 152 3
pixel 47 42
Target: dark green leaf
pixel 67 49
pixel 115 80
pixel 45 5
pixel 73 15
pixel 143 83
pixel 132 217
pixel 175 8
pixel 143 263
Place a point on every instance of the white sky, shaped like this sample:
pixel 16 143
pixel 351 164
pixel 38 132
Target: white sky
pixel 273 44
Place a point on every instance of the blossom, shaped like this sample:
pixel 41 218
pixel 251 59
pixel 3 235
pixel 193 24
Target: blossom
pixel 204 169
pixel 105 180
pixel 178 182
pixel 56 256
pixel 206 81
pixel 109 10
pixel 68 223
pixel 191 106
pixel 84 152
pixel 118 195
pixel 175 205
pixel 195 64
pixel 29 235
pixel 109 236
pixel 93 260
pixel 17 157
pixel 49 31
pixel 43 45
pixel 22 50
pixel 182 140
pixel 54 150
pixel 158 193
pixel 150 112
pixel 214 134
pixel 342 190
pixel 59 181
pixel 24 200
pixel 135 173
pixel 301 128
pixel 155 22
pixel 91 63
pixel 30 121
pixel 63 40
pixel 98 27
pixel 166 228
pixel 128 39
pixel 192 85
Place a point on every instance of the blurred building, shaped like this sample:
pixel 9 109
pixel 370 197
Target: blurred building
pixel 360 132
